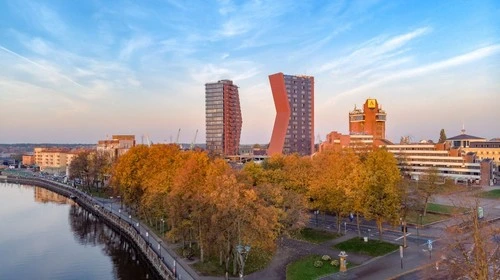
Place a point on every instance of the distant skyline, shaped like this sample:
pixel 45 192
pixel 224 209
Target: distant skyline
pixel 79 71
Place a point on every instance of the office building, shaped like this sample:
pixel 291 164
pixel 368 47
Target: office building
pixel 369 121
pixel 293 130
pixel 223 118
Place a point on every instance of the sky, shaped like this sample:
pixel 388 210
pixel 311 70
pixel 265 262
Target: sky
pixel 81 71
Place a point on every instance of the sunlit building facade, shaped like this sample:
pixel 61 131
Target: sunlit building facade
pixel 222 118
pixel 370 120
pixel 293 130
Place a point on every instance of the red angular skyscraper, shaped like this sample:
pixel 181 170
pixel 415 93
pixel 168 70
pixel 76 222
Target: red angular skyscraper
pixel 293 130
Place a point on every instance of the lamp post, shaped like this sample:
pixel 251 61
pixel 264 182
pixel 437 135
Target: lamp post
pixel 403 229
pixel 159 249
pixel 147 235
pixel 111 204
pixel 242 256
pixel 419 223
pixel 162 225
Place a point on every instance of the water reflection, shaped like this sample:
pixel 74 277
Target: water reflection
pixel 47 236
pixel 89 230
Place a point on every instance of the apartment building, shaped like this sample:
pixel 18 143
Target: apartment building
pixel 293 130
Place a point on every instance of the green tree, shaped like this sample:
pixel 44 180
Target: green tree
pixel 442 136
pixel 383 198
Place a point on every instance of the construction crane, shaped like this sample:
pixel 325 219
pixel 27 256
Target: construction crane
pixel 194 140
pixel 177 139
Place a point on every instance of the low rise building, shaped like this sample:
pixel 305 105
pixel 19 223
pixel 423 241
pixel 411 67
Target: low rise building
pixel 337 141
pixel 52 160
pixel 415 160
pixel 28 160
pixel 117 145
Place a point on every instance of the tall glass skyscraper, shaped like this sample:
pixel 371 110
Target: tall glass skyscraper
pixel 223 118
pixel 293 130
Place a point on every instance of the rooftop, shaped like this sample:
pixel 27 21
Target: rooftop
pixel 465 137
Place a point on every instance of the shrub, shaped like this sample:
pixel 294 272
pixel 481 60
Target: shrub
pixel 335 263
pixel 325 258
pixel 318 263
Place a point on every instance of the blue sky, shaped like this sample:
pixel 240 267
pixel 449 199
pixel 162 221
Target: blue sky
pixel 77 71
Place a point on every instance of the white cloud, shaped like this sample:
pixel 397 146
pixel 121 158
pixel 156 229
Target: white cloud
pixel 134 44
pixel 423 70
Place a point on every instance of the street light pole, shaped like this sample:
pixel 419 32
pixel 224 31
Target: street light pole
pixel 159 248
pixel 403 226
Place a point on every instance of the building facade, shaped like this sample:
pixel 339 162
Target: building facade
pixel 28 160
pixel 358 142
pixel 450 162
pixel 293 130
pixel 117 145
pixel 222 118
pixel 369 121
pixel 53 160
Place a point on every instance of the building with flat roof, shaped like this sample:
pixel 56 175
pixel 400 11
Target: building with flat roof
pixel 222 118
pixel 28 160
pixel 370 120
pixel 450 162
pixel 293 130
pixel 358 142
pixel 117 145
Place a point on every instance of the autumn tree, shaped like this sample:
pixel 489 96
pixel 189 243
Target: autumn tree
pixel 383 200
pixel 79 168
pixel 336 175
pixel 428 185
pixel 129 173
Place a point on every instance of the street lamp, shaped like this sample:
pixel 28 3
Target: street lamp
pixel 419 223
pixel 159 249
pixel 242 256
pixel 162 225
pixel 111 204
pixel 404 230
pixel 147 235
pixel 316 213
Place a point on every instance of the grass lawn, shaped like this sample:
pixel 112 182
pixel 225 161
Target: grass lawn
pixel 304 269
pixel 257 260
pixel 490 194
pixel 413 218
pixel 444 209
pixel 371 248
pixel 316 235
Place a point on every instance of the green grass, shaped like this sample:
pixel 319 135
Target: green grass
pixel 490 194
pixel 257 260
pixel 304 269
pixel 371 248
pixel 444 209
pixel 414 218
pixel 315 235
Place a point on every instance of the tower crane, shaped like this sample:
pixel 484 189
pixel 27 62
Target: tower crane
pixel 177 139
pixel 194 140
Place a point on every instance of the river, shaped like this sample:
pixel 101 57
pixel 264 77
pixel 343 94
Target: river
pixel 46 236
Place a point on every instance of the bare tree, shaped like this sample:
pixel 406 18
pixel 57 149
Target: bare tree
pixel 472 249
